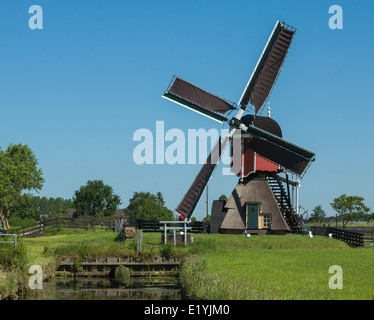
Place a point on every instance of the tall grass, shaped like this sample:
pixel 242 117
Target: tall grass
pixel 13 262
pixel 275 267
pixel 85 250
pixel 200 284
pixel 13 257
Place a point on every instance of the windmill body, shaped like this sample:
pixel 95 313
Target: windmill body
pixel 250 160
pixel 260 201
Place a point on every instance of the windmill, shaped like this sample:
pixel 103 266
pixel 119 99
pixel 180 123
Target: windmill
pixel 264 153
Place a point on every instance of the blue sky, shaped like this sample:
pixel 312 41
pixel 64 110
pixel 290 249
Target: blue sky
pixel 77 90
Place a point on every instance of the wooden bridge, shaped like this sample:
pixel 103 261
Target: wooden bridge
pixel 104 267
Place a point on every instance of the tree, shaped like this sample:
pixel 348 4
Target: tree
pixel 370 217
pixel 223 198
pixel 95 198
pixel 147 206
pixel 49 207
pixel 349 208
pixel 19 172
pixel 318 214
pixel 160 199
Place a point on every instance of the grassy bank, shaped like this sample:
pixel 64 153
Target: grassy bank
pixel 47 251
pixel 276 267
pixel 217 266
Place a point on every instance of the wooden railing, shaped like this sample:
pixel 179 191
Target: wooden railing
pixel 34 230
pixel 154 226
pixel 81 223
pixel 368 233
pixel 353 238
pixel 37 230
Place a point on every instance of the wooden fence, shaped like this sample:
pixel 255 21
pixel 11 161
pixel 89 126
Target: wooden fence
pixel 80 223
pixel 37 230
pixel 356 236
pixel 319 231
pixel 366 232
pixel 154 226
pixel 353 238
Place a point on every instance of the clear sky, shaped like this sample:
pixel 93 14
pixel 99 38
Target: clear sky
pixel 77 90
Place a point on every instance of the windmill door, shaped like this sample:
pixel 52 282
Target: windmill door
pixel 252 215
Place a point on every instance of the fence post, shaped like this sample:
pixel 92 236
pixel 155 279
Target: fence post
pixel 185 233
pixel 139 240
pixel 166 233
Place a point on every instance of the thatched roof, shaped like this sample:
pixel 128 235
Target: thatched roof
pixel 255 191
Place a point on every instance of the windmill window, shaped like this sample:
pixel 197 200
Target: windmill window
pixel 267 221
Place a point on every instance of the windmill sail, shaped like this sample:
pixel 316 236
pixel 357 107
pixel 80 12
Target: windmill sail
pixel 280 141
pixel 192 197
pixel 279 155
pixel 198 100
pixel 279 150
pixel 268 67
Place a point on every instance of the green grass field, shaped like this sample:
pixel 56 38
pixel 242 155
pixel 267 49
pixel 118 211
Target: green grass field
pixel 277 267
pixel 236 267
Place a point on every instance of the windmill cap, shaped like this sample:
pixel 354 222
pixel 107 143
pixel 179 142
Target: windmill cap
pixel 264 123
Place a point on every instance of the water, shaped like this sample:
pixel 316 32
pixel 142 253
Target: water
pixel 106 289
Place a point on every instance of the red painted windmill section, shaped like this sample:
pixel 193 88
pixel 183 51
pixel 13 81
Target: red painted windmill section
pixel 265 165
pixel 251 162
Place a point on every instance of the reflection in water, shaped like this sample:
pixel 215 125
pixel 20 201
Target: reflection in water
pixel 106 289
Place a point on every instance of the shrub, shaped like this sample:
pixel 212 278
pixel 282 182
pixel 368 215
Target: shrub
pixel 13 257
pixel 166 251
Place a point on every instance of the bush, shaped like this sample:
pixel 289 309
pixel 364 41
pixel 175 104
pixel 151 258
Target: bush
pixel 13 257
pixel 16 221
pixel 166 251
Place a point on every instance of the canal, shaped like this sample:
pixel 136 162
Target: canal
pixel 83 288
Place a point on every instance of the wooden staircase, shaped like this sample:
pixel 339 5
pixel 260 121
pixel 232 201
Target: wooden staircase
pixel 283 199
